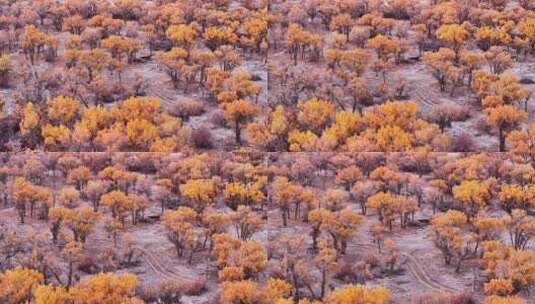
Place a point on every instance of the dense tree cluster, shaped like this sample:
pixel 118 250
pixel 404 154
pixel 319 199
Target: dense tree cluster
pixel 217 208
pixel 338 71
pixel 65 62
pixel 267 151
pixel 346 59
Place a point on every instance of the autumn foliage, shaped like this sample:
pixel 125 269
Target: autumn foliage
pixel 267 152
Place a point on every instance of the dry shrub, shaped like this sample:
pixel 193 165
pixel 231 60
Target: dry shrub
pixel 217 118
pixel 463 143
pixel 371 259
pixel 431 297
pixel 464 297
pixel 184 136
pixel 345 272
pixel 119 91
pixel 214 300
pixel 104 260
pixel 256 77
pixel 434 297
pixel 461 114
pixel 274 270
pixel 195 287
pixel 526 80
pixel 187 108
pixel 202 138
pixel 148 293
pixel 482 125
pixel 447 113
pixel 167 291
pixel 170 291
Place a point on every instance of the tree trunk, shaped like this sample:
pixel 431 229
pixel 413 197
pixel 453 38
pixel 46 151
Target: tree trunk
pixel 502 140
pixel 297 296
pixel 237 131
pixel 323 281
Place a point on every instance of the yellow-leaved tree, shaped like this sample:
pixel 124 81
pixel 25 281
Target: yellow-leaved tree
pixel 239 112
pixel 180 230
pixel 16 285
pixel 50 294
pixel 473 196
pixel 200 192
pixel 106 288
pixel 359 294
pixel 30 119
pixel 505 118
pixel 455 35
